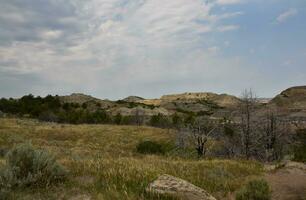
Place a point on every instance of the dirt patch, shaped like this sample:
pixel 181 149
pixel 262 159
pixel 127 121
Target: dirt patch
pixel 288 183
pixel 81 197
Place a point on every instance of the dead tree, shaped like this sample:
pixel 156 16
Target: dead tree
pixel 230 139
pixel 182 134
pixel 276 134
pixel 196 134
pixel 201 131
pixel 139 115
pixel 247 123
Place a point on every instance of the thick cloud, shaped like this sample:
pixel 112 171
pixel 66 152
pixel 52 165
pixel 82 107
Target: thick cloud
pixel 113 48
pixel 35 20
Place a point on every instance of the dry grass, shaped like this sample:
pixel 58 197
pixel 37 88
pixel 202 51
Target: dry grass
pixel 103 162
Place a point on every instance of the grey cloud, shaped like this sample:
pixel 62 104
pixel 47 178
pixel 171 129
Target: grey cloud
pixel 25 20
pixel 109 48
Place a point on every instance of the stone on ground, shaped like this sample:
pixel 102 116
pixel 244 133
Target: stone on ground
pixel 169 185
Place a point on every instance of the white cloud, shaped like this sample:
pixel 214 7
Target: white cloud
pixel 227 2
pixel 286 15
pixel 215 18
pixel 213 50
pixel 226 28
pixel 120 44
pixel 51 34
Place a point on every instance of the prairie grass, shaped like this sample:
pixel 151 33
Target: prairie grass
pixel 103 163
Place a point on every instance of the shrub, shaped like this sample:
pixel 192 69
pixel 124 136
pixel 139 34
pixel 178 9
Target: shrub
pixel 300 146
pixel 118 119
pixel 150 147
pixel 26 166
pixel 3 152
pixel 48 116
pixel 160 120
pixel 255 190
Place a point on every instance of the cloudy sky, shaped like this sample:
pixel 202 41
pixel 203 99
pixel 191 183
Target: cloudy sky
pixel 116 48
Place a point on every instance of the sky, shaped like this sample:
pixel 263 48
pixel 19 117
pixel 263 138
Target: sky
pixel 117 48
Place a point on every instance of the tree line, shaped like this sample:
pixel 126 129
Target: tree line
pixel 267 137
pixel 51 109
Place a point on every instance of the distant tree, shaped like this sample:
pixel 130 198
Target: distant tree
pixel 300 146
pixel 177 121
pixel 48 116
pixel 247 121
pixel 127 120
pixel 276 136
pixel 199 132
pixel 160 120
pixel 230 140
pixel 118 119
pixel 202 131
pixel 66 106
pixel 190 119
pixel 99 116
pixel 84 105
pixel 139 116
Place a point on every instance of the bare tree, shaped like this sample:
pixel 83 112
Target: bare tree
pixel 182 134
pixel 196 134
pixel 202 130
pixel 230 140
pixel 139 116
pixel 276 135
pixel 247 123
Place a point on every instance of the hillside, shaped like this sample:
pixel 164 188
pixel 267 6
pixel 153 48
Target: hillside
pixel 103 161
pixel 222 100
pixel 79 98
pixel 205 103
pixel 133 99
pixel 291 103
pixel 292 98
pixel 81 108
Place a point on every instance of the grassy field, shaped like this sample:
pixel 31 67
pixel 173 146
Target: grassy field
pixel 103 162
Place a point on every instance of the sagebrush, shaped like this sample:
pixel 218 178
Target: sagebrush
pixel 27 166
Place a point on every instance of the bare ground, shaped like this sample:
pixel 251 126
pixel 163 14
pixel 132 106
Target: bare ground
pixel 289 182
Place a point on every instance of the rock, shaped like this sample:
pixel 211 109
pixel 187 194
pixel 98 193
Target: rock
pixel 170 185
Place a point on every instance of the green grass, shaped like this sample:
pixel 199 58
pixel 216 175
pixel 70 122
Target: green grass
pixel 103 162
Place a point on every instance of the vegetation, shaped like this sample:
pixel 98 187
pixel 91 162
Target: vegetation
pixel 105 161
pixel 135 104
pixel 160 121
pixel 30 105
pixel 26 166
pixel 255 190
pixel 300 146
pixel 209 103
pixel 264 138
pixel 150 147
pixel 51 109
pixel 103 164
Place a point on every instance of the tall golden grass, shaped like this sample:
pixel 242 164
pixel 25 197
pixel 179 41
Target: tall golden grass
pixel 103 162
